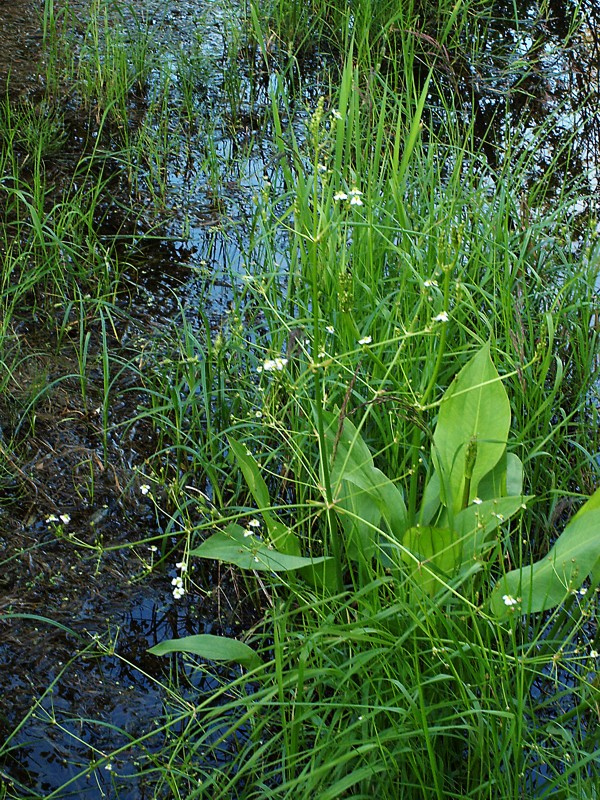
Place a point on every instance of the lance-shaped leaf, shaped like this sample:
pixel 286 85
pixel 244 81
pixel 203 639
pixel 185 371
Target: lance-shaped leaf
pixel 472 428
pixel 233 546
pixel 545 584
pixel 360 517
pixel 211 648
pixel 353 467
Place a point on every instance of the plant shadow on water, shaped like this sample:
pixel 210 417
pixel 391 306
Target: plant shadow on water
pixel 73 699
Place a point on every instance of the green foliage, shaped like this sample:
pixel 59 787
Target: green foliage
pixel 471 432
pixel 243 548
pixel 212 648
pixel 573 558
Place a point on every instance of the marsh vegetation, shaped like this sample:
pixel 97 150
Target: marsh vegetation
pixel 299 401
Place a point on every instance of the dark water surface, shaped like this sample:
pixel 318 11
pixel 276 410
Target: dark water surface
pixel 112 604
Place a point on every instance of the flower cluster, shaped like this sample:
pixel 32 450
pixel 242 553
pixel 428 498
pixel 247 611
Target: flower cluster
pixel 64 518
pixel 353 196
pixel 252 529
pixel 177 583
pixel 273 365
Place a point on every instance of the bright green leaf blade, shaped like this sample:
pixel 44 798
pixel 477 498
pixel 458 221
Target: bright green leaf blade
pixel 212 648
pixel 493 483
pixel 353 463
pixel 475 409
pixel 248 552
pixel 360 517
pixel 251 471
pixel 546 583
pixel 431 499
pixel 437 553
pixel 282 538
pixel 590 505
pixel 514 474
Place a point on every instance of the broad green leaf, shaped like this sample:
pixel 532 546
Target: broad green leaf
pixel 592 504
pixel 360 516
pixel 249 552
pixel 493 483
pixel 247 463
pixel 474 524
pixel 212 648
pixel 472 426
pixel 514 474
pixel 431 499
pixel 506 478
pixel 546 583
pixel 353 463
pixel 437 553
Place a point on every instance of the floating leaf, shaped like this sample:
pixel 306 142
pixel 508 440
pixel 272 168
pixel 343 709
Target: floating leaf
pixel 212 648
pixel 248 552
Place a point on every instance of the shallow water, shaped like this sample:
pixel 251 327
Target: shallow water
pixel 526 73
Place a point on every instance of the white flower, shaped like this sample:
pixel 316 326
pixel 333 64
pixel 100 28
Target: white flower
pixel 355 196
pixel 478 501
pixel 144 488
pixel 441 317
pixel 336 114
pixel 273 365
pixel 254 523
pixel 340 196
pixel 52 518
pixel 594 654
pixel 509 600
pixel 178 592
pixel 248 533
pixel 583 591
pixel 177 582
pixel 330 329
pixel 153 548
pixel 65 519
pixel 181 565
pixel 429 283
pixel 365 340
